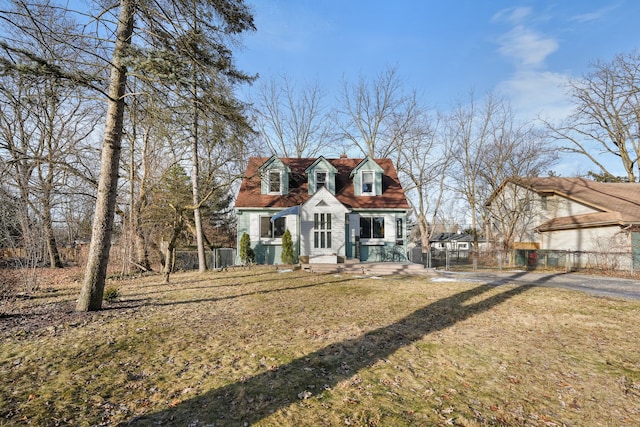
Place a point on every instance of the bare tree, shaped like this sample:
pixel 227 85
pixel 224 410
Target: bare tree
pixel 149 155
pixel 605 123
pixel 372 116
pixel 489 147
pixel 517 151
pixel 292 122
pixel 422 164
pixel 469 133
pixel 44 120
pixel 190 56
pixel 98 258
pixel 169 36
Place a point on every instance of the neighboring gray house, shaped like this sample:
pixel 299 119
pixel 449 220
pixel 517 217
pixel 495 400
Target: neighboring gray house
pixel 570 214
pixel 335 209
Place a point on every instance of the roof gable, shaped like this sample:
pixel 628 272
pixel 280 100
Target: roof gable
pixel 321 163
pixel 367 164
pixel 323 198
pixel 273 162
pixel 316 169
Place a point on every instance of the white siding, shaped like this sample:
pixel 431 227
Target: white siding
pixel 322 202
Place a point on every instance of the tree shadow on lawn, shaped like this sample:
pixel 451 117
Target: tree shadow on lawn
pixel 248 294
pixel 208 283
pixel 257 397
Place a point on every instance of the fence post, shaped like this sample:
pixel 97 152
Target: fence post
pixel 446 259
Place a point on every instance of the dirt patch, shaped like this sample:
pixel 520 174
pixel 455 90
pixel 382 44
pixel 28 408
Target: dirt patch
pixel 48 305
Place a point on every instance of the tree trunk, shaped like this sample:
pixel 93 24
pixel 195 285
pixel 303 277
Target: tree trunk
pixel 98 258
pixel 195 175
pixel 168 263
pixel 170 254
pixel 50 240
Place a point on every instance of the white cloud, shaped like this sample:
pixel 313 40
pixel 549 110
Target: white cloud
pixel 526 47
pixel 513 15
pixel 537 94
pixel 596 15
pixel 533 91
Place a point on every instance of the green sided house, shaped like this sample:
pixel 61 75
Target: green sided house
pixel 335 209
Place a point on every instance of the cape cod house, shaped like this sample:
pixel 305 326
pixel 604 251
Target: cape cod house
pixel 335 209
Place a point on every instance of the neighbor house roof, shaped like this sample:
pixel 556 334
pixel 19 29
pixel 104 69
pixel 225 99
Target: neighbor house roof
pixel 250 196
pixel 618 203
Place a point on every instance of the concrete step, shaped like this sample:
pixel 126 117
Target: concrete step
pixel 370 269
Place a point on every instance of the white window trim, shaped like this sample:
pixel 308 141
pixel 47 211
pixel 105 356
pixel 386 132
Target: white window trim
pixel 269 172
pixel 373 183
pixel 326 178
pixel 269 240
pixel 374 241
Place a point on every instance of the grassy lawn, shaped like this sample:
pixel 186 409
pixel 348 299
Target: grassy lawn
pixel 266 348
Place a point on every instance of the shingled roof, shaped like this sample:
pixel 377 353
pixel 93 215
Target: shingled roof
pixel 618 203
pixel 250 196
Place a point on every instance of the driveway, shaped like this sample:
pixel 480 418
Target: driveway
pixel 597 285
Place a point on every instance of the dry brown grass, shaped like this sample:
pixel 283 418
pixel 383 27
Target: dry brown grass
pixel 265 348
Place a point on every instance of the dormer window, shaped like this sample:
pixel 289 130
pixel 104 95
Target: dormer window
pixel 274 177
pixel 321 173
pixel 275 182
pixel 321 179
pixel 367 183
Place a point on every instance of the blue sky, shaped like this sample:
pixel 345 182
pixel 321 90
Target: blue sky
pixel 524 50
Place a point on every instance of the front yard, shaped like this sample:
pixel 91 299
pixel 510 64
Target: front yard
pixel 269 348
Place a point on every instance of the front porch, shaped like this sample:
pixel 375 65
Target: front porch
pixel 369 268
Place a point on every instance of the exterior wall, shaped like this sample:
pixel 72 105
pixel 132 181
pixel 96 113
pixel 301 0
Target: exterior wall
pixel 323 202
pixel 601 239
pixel 345 230
pixel 557 206
pixel 607 248
pixel 267 250
pixel 372 250
pixel 533 209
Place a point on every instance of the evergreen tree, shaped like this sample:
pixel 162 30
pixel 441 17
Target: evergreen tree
pixel 246 253
pixel 287 248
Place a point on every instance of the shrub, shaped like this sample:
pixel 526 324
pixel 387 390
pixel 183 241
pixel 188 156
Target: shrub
pixel 111 293
pixel 287 248
pixel 247 256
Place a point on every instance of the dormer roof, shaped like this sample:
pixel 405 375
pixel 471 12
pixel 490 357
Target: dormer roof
pixel 366 164
pixel 392 196
pixel 321 163
pixel 273 162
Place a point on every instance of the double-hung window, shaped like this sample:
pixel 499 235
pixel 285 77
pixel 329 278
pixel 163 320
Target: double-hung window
pixel 275 182
pixel 321 180
pixel 372 227
pixel 322 230
pixel 272 229
pixel 367 182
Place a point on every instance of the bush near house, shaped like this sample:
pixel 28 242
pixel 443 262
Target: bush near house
pixel 287 248
pixel 246 253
